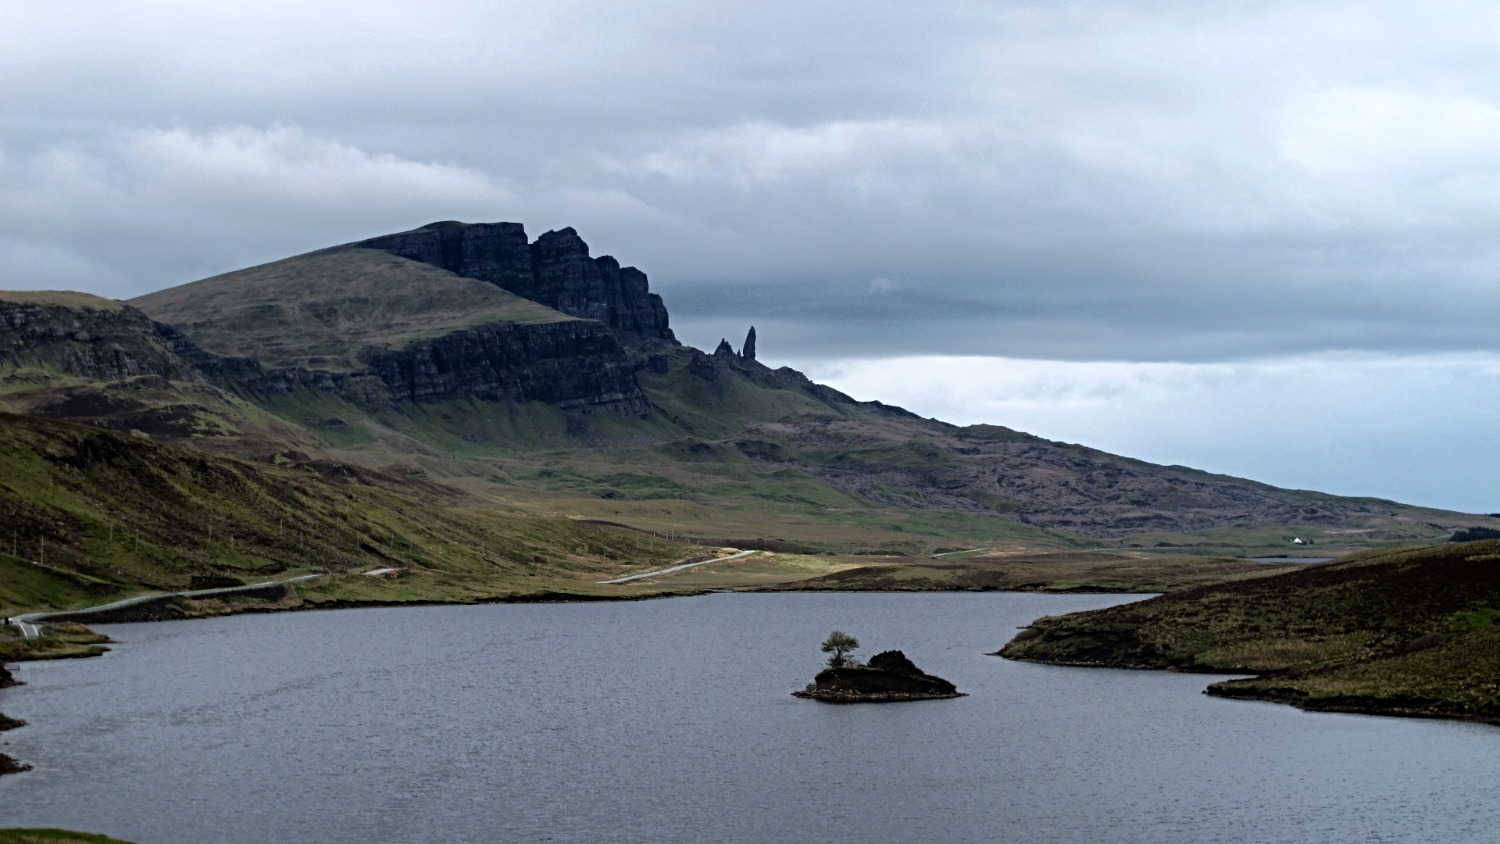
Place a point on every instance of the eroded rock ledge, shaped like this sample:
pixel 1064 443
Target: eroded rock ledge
pixel 888 677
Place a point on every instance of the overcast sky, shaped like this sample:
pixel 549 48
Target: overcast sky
pixel 1260 238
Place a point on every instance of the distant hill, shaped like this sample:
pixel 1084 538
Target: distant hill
pixel 533 373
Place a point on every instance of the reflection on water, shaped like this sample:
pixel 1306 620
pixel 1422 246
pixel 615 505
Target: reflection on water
pixel 670 721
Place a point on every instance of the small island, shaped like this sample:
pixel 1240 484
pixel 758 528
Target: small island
pixel 889 676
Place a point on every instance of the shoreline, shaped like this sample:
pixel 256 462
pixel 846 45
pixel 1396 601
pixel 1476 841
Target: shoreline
pixel 1373 708
pixel 881 697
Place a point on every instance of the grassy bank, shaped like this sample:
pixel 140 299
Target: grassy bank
pixel 63 641
pixel 1083 571
pixel 1414 632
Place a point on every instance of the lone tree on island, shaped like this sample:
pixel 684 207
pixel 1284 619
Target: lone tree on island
pixel 839 644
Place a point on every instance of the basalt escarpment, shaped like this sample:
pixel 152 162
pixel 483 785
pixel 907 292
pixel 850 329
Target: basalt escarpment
pixel 888 677
pixel 556 271
pixel 83 336
pixel 573 365
pixel 576 365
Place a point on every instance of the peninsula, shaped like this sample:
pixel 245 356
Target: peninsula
pixel 1413 632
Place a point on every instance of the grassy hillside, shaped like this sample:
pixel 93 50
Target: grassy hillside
pixel 317 311
pixel 90 515
pixel 737 451
pixel 729 449
pixel 1412 632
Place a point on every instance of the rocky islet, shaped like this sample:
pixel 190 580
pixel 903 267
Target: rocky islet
pixel 888 677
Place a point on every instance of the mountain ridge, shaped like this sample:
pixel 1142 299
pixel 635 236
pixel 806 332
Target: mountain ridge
pixel 582 401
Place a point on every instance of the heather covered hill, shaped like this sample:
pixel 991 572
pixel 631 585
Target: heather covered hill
pixel 1410 632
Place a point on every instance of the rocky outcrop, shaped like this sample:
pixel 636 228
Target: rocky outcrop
pixel 7 764
pixel 108 342
pixel 566 278
pixel 888 677
pixel 575 365
pixel 495 252
pixel 748 352
pixel 556 271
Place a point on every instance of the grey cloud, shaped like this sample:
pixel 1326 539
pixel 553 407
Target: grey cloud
pixel 1083 180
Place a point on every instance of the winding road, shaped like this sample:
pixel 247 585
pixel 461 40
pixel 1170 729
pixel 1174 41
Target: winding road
pixel 31 629
pixel 677 568
pixel 30 623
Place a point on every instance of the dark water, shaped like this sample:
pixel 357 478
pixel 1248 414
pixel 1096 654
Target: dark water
pixel 1307 560
pixel 669 721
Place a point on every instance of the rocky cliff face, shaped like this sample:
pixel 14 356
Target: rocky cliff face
pixel 576 366
pixel 98 339
pixel 556 271
pixel 573 365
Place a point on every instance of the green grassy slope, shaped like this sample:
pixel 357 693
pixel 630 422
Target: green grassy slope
pixel 742 452
pixel 1413 632
pixel 90 515
pixel 318 310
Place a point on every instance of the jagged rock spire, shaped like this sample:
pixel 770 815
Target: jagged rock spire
pixel 724 348
pixel 748 353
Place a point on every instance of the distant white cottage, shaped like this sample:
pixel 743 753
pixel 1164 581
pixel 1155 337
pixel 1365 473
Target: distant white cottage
pixel 1297 540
